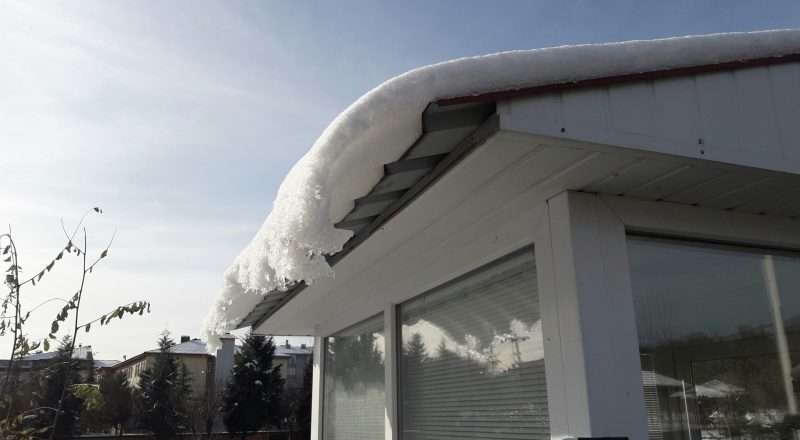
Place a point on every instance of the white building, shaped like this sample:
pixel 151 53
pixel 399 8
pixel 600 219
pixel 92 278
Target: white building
pixel 612 252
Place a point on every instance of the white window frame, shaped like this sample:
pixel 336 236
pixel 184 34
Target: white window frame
pixel 591 347
pixel 318 374
pixel 317 387
pixel 390 364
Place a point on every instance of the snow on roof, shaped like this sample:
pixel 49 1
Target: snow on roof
pixel 377 129
pixel 81 352
pixel 40 356
pixel 194 346
pixel 100 363
pixel 78 353
pixel 282 350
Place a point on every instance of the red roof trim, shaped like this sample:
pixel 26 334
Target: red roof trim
pixel 493 96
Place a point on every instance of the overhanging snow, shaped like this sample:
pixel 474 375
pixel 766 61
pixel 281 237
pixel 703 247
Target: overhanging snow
pixel 347 160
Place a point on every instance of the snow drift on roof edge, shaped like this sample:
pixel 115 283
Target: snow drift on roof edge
pixel 347 160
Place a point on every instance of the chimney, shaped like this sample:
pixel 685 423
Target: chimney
pixel 287 344
pixel 223 362
pixel 303 346
pixel 185 338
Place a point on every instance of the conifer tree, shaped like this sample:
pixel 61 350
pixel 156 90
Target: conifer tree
pixel 163 393
pixel 414 351
pixel 90 376
pixel 118 400
pixel 303 410
pixel 252 397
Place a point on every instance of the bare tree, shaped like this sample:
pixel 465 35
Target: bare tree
pixel 14 412
pixel 205 411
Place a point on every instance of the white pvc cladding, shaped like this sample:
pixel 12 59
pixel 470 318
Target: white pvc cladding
pixel 746 116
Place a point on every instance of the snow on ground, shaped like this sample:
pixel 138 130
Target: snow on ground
pixel 380 126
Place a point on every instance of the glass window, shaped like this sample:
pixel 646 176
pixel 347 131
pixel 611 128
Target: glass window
pixel 472 362
pixel 719 339
pixel 354 383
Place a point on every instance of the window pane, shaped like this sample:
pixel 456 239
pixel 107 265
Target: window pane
pixel 472 364
pixel 354 383
pixel 719 337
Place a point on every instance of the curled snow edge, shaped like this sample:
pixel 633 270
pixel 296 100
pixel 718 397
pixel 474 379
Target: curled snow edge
pixel 347 160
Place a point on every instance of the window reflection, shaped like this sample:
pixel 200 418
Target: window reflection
pixel 354 383
pixel 719 336
pixel 472 363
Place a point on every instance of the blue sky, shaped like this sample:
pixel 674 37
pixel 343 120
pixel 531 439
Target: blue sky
pixel 181 118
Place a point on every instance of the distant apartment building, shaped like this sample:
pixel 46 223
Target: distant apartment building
pixel 205 370
pixel 190 352
pixel 38 361
pixel 34 366
pixel 293 361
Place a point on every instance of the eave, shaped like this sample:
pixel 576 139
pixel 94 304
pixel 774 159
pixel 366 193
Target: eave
pixel 452 129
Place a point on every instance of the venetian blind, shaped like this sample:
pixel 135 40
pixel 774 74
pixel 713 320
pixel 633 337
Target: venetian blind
pixel 354 399
pixel 472 364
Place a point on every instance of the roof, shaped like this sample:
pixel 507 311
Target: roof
pixel 190 348
pixel 449 134
pixel 282 350
pixel 40 356
pixel 194 346
pixel 81 352
pixel 365 166
pixel 78 353
pixel 105 363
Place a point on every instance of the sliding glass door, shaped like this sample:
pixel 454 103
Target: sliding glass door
pixel 719 338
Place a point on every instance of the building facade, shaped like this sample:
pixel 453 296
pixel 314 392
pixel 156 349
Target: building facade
pixel 293 361
pixel 190 352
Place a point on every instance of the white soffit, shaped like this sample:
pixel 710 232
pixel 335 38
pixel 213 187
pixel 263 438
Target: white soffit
pixel 695 182
pixel 507 177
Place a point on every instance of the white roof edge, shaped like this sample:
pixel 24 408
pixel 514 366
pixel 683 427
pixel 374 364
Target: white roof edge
pixel 380 126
